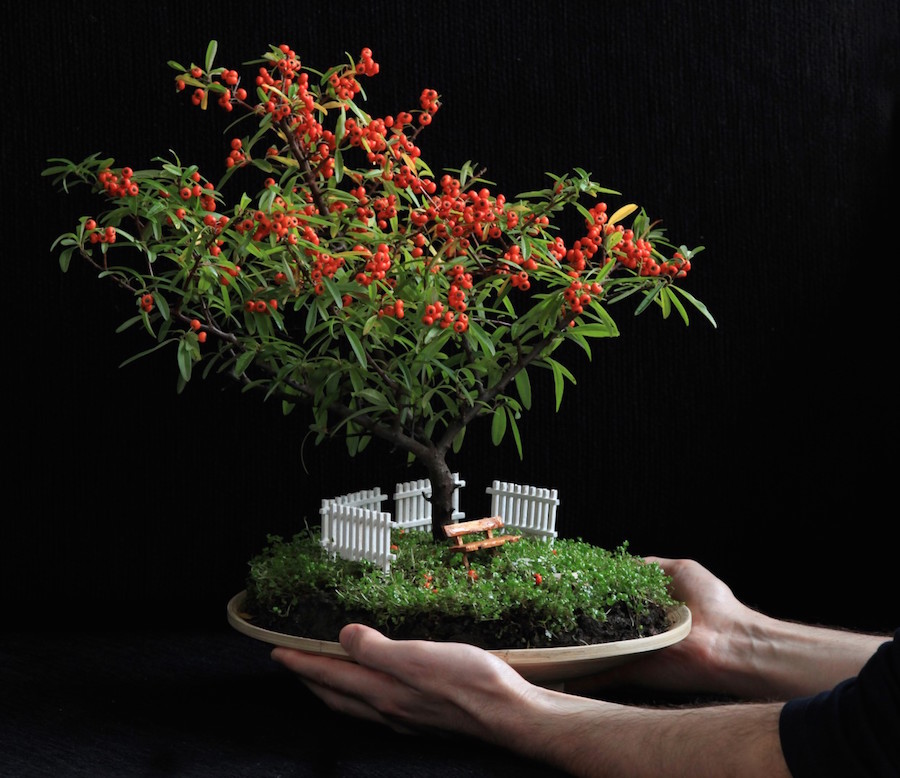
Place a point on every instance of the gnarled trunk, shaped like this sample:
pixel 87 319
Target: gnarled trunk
pixel 442 486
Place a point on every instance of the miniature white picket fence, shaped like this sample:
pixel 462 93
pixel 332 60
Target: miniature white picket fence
pixel 354 527
pixel 360 533
pixel 527 509
pixel 368 499
pixel 412 503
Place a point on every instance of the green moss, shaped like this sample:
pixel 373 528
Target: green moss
pixel 555 586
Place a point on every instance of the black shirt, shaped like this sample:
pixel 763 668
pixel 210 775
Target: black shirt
pixel 852 730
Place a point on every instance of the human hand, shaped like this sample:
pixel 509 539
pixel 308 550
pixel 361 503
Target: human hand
pixel 699 662
pixel 412 685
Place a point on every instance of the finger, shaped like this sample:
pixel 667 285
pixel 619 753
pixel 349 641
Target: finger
pixel 354 706
pixel 343 685
pixel 341 675
pixel 422 664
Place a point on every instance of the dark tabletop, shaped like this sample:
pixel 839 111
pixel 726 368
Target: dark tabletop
pixel 195 704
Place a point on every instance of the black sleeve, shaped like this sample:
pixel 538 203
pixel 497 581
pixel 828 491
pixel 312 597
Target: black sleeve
pixel 852 730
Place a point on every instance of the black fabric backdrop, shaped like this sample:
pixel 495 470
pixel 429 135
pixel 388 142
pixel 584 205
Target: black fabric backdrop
pixel 765 131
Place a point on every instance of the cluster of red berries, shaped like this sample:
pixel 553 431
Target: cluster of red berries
pixel 435 313
pixel 513 256
pixel 236 156
pixel 195 326
pixel 228 273
pixel 584 249
pixel 395 309
pixel 460 283
pixel 146 302
pixel 366 65
pixel 282 224
pixel 231 92
pixel 231 80
pixel 461 216
pixel 344 84
pixel 324 265
pixel 430 104
pixel 261 306
pixel 377 264
pixel 119 185
pixel 578 296
pixel 98 235
pixel 387 146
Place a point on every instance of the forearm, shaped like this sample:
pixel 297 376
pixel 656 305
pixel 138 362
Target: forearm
pixel 595 738
pixel 766 658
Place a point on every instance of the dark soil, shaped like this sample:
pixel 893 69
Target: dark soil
pixel 320 616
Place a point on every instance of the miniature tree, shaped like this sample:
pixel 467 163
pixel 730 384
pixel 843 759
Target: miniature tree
pixel 395 303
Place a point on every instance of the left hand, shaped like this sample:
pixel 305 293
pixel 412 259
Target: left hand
pixel 412 685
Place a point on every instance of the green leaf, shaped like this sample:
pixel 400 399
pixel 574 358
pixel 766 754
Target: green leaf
pixel 511 415
pixel 376 399
pixel 65 258
pixel 523 386
pixel 560 375
pixel 185 360
pixel 649 297
pixel 211 54
pixel 498 426
pixel 458 440
pixel 357 347
pixel 696 303
pixel 243 362
pixel 481 337
pixel 595 331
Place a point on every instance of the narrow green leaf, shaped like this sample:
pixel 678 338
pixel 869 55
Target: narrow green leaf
pixel 481 337
pixel 649 297
pixel 523 387
pixel 211 54
pixel 595 331
pixel 357 347
pixel 557 384
pixel 458 441
pixel 498 426
pixel 185 360
pixel 696 303
pixel 243 362
pixel 511 415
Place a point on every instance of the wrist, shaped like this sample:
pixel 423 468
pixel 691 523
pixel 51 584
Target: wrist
pixel 769 658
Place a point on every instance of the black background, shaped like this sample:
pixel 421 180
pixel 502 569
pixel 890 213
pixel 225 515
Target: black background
pixel 764 448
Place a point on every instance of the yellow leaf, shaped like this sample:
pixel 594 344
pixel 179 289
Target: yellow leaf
pixel 625 210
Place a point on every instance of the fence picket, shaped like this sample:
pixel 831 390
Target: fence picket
pixel 529 509
pixel 412 504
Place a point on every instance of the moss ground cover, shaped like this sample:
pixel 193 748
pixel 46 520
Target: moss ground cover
pixel 529 594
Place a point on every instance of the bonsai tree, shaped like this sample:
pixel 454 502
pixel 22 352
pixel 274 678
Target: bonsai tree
pixel 393 302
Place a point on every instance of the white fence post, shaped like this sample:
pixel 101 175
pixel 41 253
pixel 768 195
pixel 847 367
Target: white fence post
pixel 412 503
pixel 528 509
pixel 360 533
pixel 370 499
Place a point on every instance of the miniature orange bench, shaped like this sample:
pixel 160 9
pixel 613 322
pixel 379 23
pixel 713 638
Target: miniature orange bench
pixel 477 526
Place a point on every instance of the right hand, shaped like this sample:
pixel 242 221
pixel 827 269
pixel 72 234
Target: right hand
pixel 697 663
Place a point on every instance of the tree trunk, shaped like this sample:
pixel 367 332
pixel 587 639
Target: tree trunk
pixel 442 486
